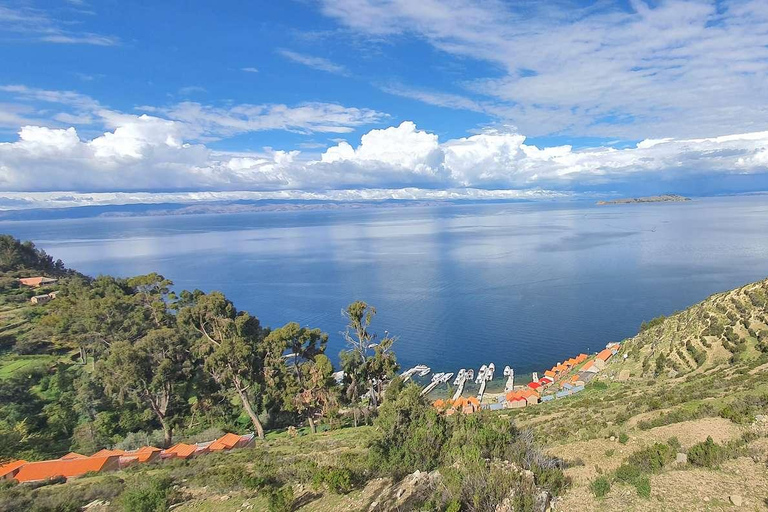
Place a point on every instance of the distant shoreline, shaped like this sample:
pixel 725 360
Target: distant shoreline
pixel 665 198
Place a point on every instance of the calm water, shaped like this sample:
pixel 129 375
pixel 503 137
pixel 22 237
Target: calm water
pixel 520 284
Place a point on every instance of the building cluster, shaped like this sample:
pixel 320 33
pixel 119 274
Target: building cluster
pixel 461 404
pixel 562 380
pixel 37 282
pixel 73 464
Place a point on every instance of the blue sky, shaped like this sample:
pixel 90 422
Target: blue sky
pixel 477 98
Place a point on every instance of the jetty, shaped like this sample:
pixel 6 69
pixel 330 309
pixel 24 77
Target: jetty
pixel 509 373
pixel 420 370
pixel 437 379
pixel 483 377
pixel 461 379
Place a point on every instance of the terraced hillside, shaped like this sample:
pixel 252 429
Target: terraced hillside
pixel 700 373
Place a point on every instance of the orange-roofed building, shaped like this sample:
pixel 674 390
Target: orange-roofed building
pixel 530 396
pixel 589 366
pixel 534 385
pixel 604 354
pixel 439 404
pixel 9 470
pixel 228 442
pixel 72 455
pixel 36 282
pixel 38 471
pixel 179 451
pixel 107 453
pixel 550 373
pixel 141 456
pixel 515 400
pixel 581 358
pixel 473 400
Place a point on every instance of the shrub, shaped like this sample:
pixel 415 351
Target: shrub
pixel 600 486
pixel 623 438
pixel 598 384
pixel 338 480
pixel 628 473
pixel 148 495
pixel 707 454
pixel 280 499
pixel 643 487
pixel 609 453
pixel 410 435
pixel 652 458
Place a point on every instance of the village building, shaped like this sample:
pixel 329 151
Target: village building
pixel 71 468
pixel 72 455
pixel 8 471
pixel 36 282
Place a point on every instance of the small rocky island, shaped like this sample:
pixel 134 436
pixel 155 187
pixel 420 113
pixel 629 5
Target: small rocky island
pixel 666 198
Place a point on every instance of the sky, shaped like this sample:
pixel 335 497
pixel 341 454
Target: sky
pixel 356 99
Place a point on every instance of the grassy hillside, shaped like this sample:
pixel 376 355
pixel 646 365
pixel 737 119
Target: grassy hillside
pixel 691 386
pixel 700 373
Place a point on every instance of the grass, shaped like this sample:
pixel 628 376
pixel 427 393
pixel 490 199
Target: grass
pixel 12 364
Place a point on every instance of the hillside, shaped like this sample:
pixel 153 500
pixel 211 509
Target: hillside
pixel 691 386
pixel 699 373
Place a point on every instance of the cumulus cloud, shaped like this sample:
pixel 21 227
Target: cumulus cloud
pixel 676 68
pixel 147 152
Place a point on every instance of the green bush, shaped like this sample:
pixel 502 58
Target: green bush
pixel 600 486
pixel 338 480
pixel 707 454
pixel 623 438
pixel 148 495
pixel 652 458
pixel 628 473
pixel 280 499
pixel 643 487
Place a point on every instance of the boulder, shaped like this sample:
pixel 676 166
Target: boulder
pixel 736 500
pixel 681 459
pixel 542 501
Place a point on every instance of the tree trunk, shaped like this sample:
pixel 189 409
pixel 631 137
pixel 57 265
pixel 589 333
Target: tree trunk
pixel 167 434
pixel 312 425
pixel 249 409
pixel 354 414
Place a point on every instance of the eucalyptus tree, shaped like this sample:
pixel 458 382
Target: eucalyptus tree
pixel 153 372
pixel 301 380
pixel 230 344
pixel 369 360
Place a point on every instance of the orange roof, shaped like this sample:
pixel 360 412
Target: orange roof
pixel 574 378
pixel 439 403
pixel 473 400
pixel 527 393
pixel 107 453
pixel 229 440
pixel 587 365
pixel 604 354
pixel 180 450
pixel 581 357
pixel 459 402
pixel 35 471
pixel 9 468
pixel 144 454
pixel 549 373
pixel 72 455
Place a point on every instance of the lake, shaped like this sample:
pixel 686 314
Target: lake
pixel 525 285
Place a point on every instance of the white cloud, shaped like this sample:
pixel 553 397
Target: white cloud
pixel 310 61
pixel 196 121
pixel 249 70
pixel 152 153
pixel 37 25
pixel 676 68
